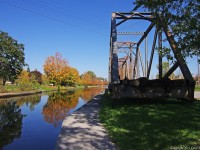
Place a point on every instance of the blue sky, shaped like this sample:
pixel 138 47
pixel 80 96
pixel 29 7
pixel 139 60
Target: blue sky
pixel 77 29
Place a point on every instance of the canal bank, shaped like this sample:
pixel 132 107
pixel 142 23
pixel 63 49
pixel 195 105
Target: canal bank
pixel 83 130
pixel 8 95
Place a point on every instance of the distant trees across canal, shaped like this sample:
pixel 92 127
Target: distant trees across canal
pixel 57 71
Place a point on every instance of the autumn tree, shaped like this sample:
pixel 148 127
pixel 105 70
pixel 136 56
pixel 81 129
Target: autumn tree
pixel 45 80
pixel 26 82
pixel 12 57
pixel 54 68
pixel 37 75
pixel 89 78
pixel 72 76
pixel 86 78
pixel 182 16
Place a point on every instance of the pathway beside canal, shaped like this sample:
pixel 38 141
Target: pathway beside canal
pixel 83 130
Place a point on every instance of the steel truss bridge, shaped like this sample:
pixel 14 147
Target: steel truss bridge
pixel 129 76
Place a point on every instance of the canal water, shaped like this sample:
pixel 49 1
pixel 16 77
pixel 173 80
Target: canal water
pixel 34 122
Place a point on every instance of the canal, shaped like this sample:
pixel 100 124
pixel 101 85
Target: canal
pixel 34 122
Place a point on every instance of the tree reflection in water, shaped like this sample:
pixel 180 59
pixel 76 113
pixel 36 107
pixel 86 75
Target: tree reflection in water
pixel 10 122
pixel 59 104
pixel 89 93
pixel 30 101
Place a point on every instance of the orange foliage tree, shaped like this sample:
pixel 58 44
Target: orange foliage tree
pixel 55 69
pixel 89 78
pixel 72 76
pixel 86 79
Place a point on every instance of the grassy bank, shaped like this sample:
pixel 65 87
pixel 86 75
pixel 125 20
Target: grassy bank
pixel 16 89
pixel 158 124
pixel 197 88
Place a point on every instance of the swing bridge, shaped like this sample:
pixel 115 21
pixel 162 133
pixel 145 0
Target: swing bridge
pixel 130 67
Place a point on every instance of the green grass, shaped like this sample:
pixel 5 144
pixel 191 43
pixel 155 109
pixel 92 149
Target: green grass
pixel 16 89
pixel 152 124
pixel 197 88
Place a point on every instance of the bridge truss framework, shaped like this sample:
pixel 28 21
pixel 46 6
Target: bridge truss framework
pixel 124 73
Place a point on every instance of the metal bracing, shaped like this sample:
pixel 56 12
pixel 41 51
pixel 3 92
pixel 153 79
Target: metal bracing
pixel 142 64
pixel 182 64
pixel 171 70
pixel 124 73
pixel 146 33
pixel 130 33
pixel 152 52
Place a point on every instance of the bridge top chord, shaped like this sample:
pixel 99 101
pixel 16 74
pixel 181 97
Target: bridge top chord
pixel 130 33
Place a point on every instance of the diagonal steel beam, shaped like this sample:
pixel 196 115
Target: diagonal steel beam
pixel 152 52
pixel 145 33
pixel 183 66
pixel 171 70
pixel 125 19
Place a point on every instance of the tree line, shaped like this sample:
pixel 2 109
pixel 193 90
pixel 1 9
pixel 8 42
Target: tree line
pixel 57 70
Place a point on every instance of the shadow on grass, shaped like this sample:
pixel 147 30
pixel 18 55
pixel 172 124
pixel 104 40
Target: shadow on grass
pixel 152 124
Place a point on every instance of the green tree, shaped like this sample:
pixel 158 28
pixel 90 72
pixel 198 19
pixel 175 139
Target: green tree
pixel 10 122
pixel 182 16
pixel 11 57
pixel 28 70
pixel 165 68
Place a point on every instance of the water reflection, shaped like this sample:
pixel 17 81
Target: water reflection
pixel 88 93
pixel 44 115
pixel 10 122
pixel 29 101
pixel 60 103
pixel 57 106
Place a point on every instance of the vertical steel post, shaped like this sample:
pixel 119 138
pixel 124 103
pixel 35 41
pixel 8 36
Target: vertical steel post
pixel 146 56
pixel 130 70
pixel 136 63
pixel 160 53
pixel 113 51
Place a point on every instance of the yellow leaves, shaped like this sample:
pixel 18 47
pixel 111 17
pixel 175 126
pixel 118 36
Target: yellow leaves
pixel 89 78
pixel 23 77
pixel 58 71
pixel 55 67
